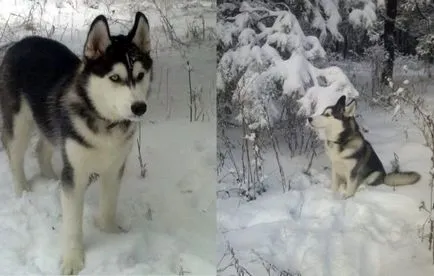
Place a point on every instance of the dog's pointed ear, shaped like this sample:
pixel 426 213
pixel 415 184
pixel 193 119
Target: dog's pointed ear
pixel 350 109
pixel 340 104
pixel 98 38
pixel 140 33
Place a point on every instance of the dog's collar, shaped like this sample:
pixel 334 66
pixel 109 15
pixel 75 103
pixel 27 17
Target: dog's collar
pixel 112 124
pixel 89 113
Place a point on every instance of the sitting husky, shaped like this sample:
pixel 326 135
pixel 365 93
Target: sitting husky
pixel 87 108
pixel 354 161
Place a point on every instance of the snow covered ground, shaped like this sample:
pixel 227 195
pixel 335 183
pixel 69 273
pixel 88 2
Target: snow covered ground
pixel 310 231
pixel 169 214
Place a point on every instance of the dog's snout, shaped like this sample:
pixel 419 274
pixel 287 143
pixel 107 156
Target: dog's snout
pixel 310 119
pixel 138 108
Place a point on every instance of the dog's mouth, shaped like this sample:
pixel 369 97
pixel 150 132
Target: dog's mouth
pixel 310 122
pixel 317 127
pixel 136 118
pixel 316 124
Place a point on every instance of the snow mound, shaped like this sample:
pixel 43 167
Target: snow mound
pixel 311 231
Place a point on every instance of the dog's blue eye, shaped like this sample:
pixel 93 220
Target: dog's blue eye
pixel 115 78
pixel 140 76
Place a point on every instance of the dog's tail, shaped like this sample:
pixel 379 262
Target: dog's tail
pixel 401 178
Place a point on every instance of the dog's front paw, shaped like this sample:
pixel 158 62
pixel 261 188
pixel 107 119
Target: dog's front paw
pixel 73 262
pixel 334 187
pixel 20 189
pixel 109 227
pixel 49 174
pixel 347 195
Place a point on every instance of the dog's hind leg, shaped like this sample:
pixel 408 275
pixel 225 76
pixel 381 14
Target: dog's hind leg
pixel 354 184
pixel 16 143
pixel 44 151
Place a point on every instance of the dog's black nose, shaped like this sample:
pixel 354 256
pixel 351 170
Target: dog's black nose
pixel 138 108
pixel 309 119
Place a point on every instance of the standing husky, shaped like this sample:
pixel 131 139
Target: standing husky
pixel 88 108
pixel 354 161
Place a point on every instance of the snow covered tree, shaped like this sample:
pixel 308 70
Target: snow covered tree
pixel 359 28
pixel 425 51
pixel 416 17
pixel 267 59
pixel 268 81
pixel 425 48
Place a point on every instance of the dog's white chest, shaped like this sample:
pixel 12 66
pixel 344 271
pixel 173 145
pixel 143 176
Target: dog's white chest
pixel 341 165
pixel 333 151
pixel 108 147
pixel 97 159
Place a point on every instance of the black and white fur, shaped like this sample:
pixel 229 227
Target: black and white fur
pixel 354 161
pixel 89 108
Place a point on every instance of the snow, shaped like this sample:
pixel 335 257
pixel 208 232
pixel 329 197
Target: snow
pixel 330 8
pixel 69 21
pixel 180 229
pixel 260 58
pixel 307 230
pixel 326 17
pixel 364 17
pixel 170 214
pixel 326 95
pixel 312 231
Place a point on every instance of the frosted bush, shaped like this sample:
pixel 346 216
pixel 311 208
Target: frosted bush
pixel 425 48
pixel 269 59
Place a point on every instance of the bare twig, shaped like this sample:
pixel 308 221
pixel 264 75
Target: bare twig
pixel 425 123
pixel 139 149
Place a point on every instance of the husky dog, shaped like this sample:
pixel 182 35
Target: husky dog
pixel 89 108
pixel 354 161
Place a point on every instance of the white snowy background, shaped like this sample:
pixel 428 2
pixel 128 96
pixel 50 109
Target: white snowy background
pixel 308 230
pixel 169 214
